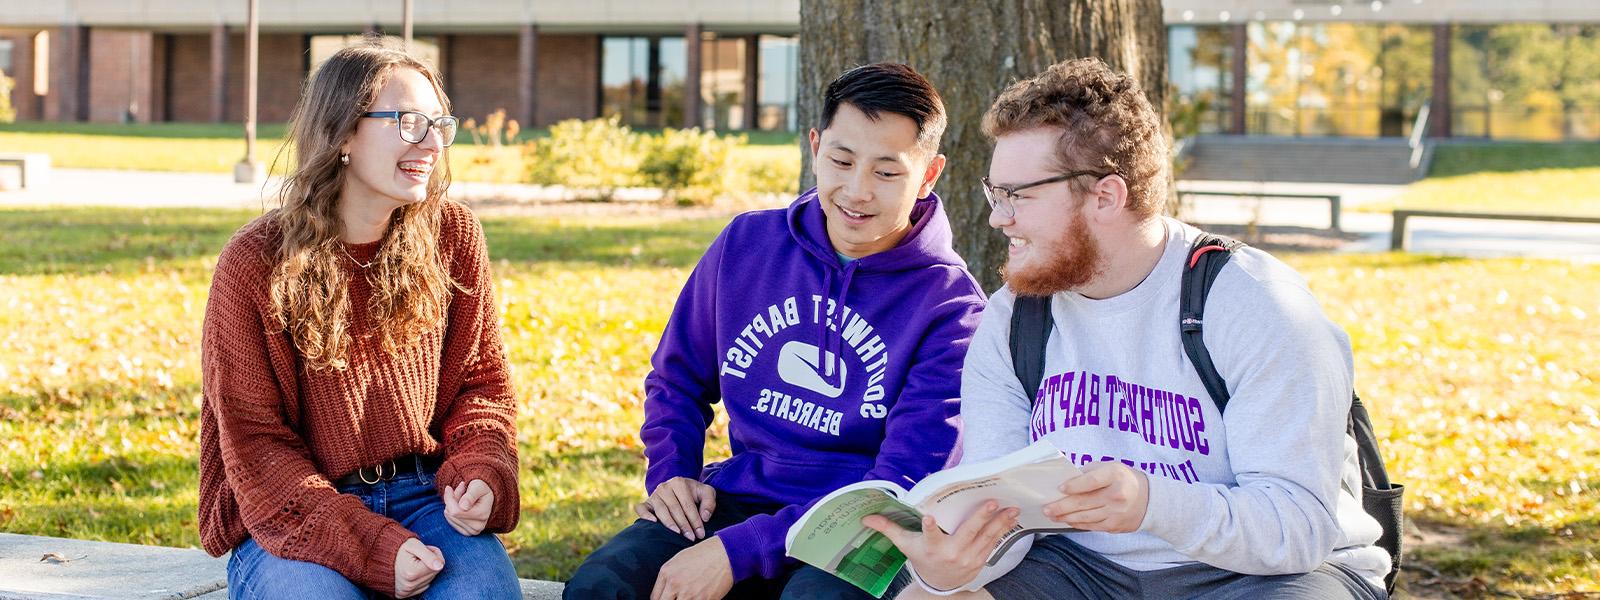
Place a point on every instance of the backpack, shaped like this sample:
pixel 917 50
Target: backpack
pixel 1030 329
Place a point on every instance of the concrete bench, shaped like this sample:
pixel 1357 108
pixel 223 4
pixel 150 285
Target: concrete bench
pixel 35 167
pixel 1334 201
pixel 1399 238
pixel 46 568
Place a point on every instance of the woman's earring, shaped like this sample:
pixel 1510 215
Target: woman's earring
pixel 344 159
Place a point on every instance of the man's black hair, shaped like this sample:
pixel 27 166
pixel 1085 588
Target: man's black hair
pixel 893 88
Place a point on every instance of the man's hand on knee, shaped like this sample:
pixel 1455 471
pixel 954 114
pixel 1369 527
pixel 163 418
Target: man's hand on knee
pixel 682 505
pixel 701 571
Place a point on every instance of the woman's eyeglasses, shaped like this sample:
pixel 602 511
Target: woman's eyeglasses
pixel 414 126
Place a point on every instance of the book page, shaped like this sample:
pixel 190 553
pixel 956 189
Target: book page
pixel 1027 479
pixel 831 537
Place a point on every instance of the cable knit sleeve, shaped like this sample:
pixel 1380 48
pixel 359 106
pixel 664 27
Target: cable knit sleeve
pixel 480 432
pixel 286 505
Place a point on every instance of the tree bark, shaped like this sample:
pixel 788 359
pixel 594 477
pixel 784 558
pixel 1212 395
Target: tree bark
pixel 971 50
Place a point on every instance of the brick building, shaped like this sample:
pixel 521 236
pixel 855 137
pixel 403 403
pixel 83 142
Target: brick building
pixel 1301 68
pixel 540 60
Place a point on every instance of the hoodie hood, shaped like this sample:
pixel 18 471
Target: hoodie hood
pixel 927 244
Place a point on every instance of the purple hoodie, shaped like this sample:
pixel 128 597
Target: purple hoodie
pixel 767 298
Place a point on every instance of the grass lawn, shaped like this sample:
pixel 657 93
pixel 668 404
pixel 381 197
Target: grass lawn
pixel 1483 377
pixel 216 147
pixel 1512 177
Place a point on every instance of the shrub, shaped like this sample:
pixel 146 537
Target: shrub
pixel 599 155
pixel 770 173
pixel 691 166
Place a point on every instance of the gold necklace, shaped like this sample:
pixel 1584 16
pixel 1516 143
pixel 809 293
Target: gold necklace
pixel 358 263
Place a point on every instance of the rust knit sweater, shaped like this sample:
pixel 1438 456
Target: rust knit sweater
pixel 274 433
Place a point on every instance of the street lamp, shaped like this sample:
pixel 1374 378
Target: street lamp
pixel 249 170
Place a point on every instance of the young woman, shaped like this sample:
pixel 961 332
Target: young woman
pixel 358 428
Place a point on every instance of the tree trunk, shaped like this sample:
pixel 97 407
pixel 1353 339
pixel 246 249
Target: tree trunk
pixel 971 50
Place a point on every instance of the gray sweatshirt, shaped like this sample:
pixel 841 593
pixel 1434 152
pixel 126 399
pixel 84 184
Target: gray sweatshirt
pixel 1262 491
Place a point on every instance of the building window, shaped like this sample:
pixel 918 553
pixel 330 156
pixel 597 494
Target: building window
pixel 780 62
pixel 6 65
pixel 1200 64
pixel 642 80
pixel 722 75
pixel 1529 81
pixel 1337 79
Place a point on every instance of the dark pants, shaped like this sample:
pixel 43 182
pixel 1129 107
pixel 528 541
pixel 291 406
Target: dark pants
pixel 626 566
pixel 1059 568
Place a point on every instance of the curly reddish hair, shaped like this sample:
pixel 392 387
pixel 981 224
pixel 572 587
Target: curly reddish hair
pixel 1106 123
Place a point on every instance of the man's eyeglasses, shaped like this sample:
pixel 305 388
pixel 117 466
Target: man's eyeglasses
pixel 414 126
pixel 1003 199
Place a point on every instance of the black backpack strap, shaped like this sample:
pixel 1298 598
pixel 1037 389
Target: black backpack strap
pixel 1207 256
pixel 1030 329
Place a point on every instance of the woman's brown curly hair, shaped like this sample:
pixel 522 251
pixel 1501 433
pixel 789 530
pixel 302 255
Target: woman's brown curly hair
pixel 309 291
pixel 1106 121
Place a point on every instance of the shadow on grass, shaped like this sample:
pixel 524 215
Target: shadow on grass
pixel 667 243
pixel 140 499
pixel 1446 558
pixel 88 402
pixel 111 240
pixel 583 498
pixel 1468 158
pixel 115 240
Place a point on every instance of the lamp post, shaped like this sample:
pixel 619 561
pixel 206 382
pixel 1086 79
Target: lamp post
pixel 405 25
pixel 249 170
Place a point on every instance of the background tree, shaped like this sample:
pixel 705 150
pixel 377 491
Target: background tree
pixel 971 50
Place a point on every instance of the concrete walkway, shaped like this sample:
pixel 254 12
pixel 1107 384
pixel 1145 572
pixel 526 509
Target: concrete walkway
pixel 1455 237
pixel 145 189
pixel 46 568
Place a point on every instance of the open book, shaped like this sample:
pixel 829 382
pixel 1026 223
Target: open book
pixel 831 537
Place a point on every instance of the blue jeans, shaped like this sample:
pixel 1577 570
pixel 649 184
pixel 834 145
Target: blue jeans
pixel 475 567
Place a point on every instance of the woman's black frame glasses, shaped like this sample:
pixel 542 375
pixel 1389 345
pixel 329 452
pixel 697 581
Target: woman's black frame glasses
pixel 455 125
pixel 1002 199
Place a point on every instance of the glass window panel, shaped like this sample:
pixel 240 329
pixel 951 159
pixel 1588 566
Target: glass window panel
pixel 1336 79
pixel 1527 81
pixel 780 59
pixel 722 82
pixel 672 72
pixel 1201 69
pixel 621 79
pixel 642 80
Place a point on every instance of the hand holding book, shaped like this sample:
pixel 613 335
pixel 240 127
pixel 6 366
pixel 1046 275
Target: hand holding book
pixel 835 535
pixel 948 561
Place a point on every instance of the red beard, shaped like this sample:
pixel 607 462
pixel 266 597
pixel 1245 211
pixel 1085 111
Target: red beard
pixel 1064 265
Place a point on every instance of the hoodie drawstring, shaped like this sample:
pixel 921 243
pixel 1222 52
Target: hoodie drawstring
pixel 835 343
